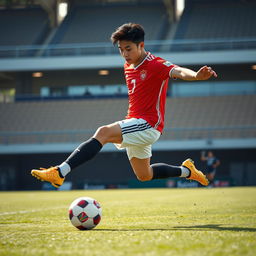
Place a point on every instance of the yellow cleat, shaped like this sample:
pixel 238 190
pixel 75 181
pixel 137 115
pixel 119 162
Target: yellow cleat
pixel 194 173
pixel 51 175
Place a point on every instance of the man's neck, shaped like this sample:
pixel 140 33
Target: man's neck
pixel 142 57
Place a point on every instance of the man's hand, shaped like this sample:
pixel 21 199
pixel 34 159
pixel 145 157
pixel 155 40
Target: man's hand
pixel 204 73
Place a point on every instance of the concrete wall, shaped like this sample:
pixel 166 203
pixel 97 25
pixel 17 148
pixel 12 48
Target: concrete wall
pixel 113 168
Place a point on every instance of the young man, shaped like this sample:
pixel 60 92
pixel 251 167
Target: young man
pixel 147 80
pixel 212 162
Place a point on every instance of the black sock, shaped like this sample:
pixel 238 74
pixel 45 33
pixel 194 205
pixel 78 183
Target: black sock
pixel 86 151
pixel 163 171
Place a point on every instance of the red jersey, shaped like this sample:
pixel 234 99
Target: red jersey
pixel 147 87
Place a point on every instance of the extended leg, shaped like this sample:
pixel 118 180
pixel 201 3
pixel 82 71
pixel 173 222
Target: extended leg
pixel 144 171
pixel 88 149
pixel 85 151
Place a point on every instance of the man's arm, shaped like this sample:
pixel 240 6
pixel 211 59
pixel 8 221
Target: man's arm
pixel 215 165
pixel 203 156
pixel 204 73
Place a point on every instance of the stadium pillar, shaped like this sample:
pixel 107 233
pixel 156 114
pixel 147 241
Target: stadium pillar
pixel 24 84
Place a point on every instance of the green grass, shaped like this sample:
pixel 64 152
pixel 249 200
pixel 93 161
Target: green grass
pixel 135 222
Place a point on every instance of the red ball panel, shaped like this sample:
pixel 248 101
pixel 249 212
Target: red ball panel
pixel 70 214
pixel 96 219
pixel 83 203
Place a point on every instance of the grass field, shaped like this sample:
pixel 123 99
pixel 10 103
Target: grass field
pixel 135 222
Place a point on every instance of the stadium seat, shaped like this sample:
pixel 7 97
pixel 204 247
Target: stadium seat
pixel 73 120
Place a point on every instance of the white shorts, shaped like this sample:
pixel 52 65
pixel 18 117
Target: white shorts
pixel 138 136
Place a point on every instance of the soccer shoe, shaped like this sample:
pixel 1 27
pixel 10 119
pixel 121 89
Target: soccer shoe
pixel 194 173
pixel 51 175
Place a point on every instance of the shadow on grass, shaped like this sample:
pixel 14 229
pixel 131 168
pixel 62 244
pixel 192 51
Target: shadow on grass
pixel 209 227
pixel 217 227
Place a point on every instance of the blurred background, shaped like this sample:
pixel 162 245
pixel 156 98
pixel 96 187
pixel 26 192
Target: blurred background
pixel 61 78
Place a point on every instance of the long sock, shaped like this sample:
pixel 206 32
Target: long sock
pixel 64 169
pixel 163 171
pixel 185 172
pixel 85 151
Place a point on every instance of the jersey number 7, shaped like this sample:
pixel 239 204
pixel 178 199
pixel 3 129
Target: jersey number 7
pixel 134 86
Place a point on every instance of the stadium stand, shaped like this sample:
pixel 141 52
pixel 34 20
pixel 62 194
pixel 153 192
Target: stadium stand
pixel 57 121
pixel 28 26
pixel 210 20
pixel 152 16
pixel 36 120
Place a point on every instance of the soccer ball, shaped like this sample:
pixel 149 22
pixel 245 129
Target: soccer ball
pixel 85 213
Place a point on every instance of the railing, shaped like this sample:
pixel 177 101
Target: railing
pixel 107 48
pixel 178 134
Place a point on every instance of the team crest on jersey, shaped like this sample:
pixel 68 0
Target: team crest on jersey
pixel 167 63
pixel 143 74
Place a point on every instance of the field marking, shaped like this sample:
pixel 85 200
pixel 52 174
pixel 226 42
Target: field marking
pixel 29 211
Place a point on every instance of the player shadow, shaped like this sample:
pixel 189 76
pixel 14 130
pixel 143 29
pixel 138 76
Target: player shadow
pixel 217 227
pixel 212 227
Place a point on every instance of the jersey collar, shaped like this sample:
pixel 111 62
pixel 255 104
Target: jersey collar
pixel 148 53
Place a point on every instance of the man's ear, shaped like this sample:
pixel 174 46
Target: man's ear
pixel 142 44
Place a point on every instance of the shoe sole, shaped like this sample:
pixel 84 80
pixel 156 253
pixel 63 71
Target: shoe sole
pixel 55 185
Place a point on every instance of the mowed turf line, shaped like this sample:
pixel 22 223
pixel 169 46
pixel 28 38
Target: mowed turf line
pixel 135 222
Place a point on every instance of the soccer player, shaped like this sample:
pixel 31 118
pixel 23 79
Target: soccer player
pixel 212 162
pixel 147 79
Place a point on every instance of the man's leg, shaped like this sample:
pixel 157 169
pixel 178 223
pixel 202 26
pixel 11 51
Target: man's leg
pixel 142 168
pixel 88 149
pixel 144 171
pixel 85 151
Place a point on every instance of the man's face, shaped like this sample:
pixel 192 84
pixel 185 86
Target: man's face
pixel 210 154
pixel 130 51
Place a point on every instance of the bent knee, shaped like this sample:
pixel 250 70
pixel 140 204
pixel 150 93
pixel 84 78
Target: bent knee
pixel 144 177
pixel 103 130
pixel 102 133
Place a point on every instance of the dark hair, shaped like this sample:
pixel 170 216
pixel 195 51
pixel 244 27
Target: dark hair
pixel 129 32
